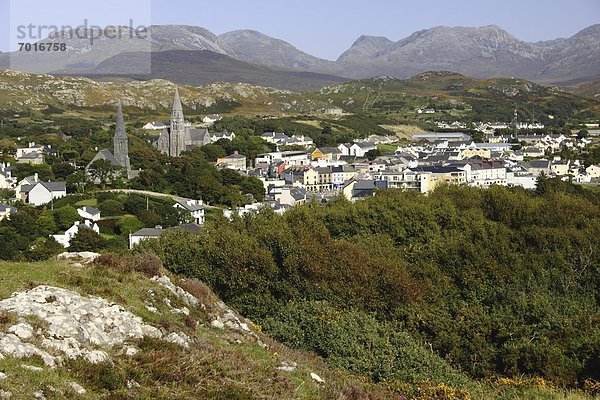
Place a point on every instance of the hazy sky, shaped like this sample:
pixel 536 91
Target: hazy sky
pixel 323 28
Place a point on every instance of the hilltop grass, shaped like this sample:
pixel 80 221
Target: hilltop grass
pixel 223 365
pixel 87 202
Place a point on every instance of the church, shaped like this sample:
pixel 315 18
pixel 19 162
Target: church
pixel 177 137
pixel 120 158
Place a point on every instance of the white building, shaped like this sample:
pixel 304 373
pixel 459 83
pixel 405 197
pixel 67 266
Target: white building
pixel 194 207
pixel 42 193
pixel 593 171
pixel 361 149
pixel 91 213
pixel 211 119
pixel 7 181
pixel 144 234
pixel 155 126
pixel 65 239
pixel 290 158
pixel 487 173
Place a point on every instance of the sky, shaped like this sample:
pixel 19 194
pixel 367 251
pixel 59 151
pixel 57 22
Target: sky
pixel 324 28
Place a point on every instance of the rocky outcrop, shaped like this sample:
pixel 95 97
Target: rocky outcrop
pixel 76 326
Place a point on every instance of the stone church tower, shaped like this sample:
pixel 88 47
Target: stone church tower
pixel 177 131
pixel 120 141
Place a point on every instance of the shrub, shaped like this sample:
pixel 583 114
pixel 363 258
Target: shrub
pixel 111 208
pixel 129 224
pixel 147 264
pixel 66 216
pixel 87 240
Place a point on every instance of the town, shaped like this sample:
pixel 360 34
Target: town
pixel 517 157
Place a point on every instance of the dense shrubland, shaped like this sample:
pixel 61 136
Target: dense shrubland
pixel 498 282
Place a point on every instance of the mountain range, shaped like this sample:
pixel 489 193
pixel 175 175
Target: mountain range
pixel 194 55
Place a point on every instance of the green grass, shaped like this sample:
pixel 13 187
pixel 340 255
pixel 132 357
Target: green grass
pixel 88 202
pixel 387 148
pixel 224 365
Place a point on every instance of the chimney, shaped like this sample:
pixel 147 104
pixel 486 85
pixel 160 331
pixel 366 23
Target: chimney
pixel 35 177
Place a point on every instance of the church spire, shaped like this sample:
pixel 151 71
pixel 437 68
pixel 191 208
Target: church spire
pixel 120 142
pixel 120 129
pixel 177 108
pixel 177 132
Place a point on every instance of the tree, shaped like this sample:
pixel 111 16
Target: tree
pixel 43 249
pixel 7 146
pixel 372 154
pixel 47 222
pixel 66 216
pixel 62 170
pixel 102 171
pixel 111 207
pixel 87 240
pixel 582 134
pixel 129 224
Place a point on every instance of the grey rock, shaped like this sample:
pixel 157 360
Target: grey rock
pixel 39 395
pixel 77 388
pixel 316 378
pixel 85 256
pixel 217 324
pixel 32 368
pixel 187 298
pixel 180 339
pixel 287 366
pixel 23 330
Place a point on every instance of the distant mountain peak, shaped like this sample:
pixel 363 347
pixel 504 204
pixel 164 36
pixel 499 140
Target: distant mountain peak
pixel 256 47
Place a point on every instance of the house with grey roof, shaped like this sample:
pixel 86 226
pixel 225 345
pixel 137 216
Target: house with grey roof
pixel 155 233
pixel 538 167
pixel 194 207
pixel 42 193
pixel 89 213
pixel 291 196
pixel 362 148
pixel 234 161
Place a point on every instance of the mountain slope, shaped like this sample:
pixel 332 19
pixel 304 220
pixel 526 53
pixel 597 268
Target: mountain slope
pixel 365 48
pixel 576 57
pixel 481 52
pixel 442 90
pixel 200 67
pixel 255 47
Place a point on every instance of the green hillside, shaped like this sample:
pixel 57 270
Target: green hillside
pixel 453 96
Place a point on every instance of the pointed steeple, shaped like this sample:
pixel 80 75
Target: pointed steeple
pixel 177 131
pixel 120 142
pixel 177 108
pixel 120 129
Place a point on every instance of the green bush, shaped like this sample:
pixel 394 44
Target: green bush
pixel 111 208
pixel 358 342
pixel 497 282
